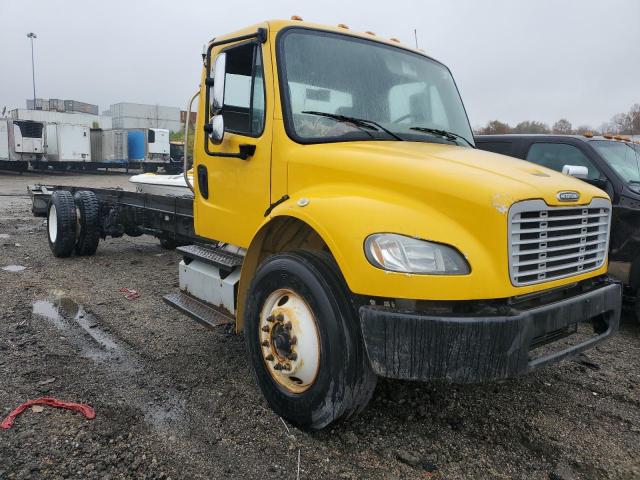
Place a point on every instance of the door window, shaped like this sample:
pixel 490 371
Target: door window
pixel 557 155
pixel 244 101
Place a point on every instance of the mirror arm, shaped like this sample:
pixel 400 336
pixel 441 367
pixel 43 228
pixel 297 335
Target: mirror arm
pixel 245 150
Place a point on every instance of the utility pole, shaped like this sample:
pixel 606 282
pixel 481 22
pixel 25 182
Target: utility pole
pixel 31 36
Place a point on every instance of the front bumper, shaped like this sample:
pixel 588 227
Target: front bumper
pixel 476 349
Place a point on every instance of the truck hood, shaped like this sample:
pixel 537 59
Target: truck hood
pixel 443 170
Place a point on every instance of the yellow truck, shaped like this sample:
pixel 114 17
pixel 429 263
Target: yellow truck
pixel 345 221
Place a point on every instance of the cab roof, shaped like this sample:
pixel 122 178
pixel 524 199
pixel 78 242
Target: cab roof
pixel 275 25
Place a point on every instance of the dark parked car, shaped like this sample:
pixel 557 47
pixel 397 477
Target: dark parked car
pixel 613 165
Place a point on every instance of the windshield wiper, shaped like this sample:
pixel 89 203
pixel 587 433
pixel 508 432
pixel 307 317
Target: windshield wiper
pixel 359 122
pixel 443 133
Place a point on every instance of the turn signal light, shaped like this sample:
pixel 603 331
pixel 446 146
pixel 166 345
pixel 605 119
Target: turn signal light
pixel 588 134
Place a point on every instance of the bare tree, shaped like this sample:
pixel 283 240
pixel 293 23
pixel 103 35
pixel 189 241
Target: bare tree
pixel 562 127
pixel 622 123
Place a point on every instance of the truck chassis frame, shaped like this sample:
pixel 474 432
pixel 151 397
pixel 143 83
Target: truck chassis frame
pixel 122 212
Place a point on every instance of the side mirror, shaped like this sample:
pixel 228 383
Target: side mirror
pixel 215 129
pixel 219 74
pixel 577 171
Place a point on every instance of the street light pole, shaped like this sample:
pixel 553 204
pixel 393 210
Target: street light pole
pixel 31 36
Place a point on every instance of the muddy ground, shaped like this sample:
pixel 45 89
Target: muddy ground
pixel 174 400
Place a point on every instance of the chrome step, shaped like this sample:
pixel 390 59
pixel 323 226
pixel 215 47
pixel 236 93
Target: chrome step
pixel 199 311
pixel 216 257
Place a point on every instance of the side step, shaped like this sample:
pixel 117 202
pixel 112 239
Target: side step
pixel 197 310
pixel 216 257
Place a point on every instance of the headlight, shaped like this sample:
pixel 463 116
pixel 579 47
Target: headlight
pixel 398 253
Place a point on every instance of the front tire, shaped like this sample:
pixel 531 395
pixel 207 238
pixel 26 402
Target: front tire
pixel 61 223
pixel 295 299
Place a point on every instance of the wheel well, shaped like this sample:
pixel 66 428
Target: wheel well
pixel 282 234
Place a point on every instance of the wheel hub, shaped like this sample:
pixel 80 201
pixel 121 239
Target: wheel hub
pixel 289 340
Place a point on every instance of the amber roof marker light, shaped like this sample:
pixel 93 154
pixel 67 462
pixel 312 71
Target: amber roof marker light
pixel 297 18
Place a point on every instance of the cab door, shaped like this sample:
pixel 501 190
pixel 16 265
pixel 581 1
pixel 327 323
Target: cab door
pixel 233 193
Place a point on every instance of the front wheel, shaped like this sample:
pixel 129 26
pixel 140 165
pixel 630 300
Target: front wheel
pixel 304 341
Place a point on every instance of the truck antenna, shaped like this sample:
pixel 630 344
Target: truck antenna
pixel 415 34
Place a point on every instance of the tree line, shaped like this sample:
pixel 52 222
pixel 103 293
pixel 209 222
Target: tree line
pixel 620 124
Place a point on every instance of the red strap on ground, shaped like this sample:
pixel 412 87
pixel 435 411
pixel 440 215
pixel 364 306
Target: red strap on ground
pixel 129 293
pixel 86 410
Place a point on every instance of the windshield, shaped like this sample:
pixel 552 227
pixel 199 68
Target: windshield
pixel 623 158
pixel 323 72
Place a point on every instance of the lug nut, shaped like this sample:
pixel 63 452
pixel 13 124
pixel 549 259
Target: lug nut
pixel 286 366
pixel 292 356
pixel 265 328
pixel 288 326
pixel 265 343
pixel 279 317
pixel 269 358
pixel 278 366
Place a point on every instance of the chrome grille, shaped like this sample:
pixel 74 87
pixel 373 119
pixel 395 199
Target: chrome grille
pixel 547 243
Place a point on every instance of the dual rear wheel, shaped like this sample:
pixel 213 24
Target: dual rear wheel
pixel 73 223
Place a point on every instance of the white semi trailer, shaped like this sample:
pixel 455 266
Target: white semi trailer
pixel 21 142
pixel 67 146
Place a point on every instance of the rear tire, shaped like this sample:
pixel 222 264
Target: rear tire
pixel 89 236
pixel 285 285
pixel 61 223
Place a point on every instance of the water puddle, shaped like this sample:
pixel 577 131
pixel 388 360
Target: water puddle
pixel 13 268
pixel 82 330
pixel 73 320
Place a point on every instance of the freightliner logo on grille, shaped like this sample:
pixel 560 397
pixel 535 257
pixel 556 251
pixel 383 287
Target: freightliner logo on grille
pixel 568 196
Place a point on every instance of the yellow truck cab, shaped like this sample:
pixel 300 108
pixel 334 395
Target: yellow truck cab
pixel 352 229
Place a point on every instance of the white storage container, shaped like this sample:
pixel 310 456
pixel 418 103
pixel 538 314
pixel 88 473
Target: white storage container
pixel 68 143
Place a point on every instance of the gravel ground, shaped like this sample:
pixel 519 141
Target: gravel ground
pixel 174 400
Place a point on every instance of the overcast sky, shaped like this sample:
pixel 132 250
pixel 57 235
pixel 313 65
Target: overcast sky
pixel 512 60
